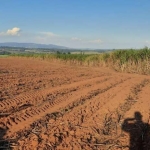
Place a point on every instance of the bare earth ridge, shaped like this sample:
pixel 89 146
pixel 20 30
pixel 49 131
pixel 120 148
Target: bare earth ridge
pixel 47 105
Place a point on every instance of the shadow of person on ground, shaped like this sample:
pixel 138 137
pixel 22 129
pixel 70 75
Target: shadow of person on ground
pixel 4 143
pixel 138 131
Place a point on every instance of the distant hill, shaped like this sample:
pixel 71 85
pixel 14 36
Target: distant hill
pixel 31 45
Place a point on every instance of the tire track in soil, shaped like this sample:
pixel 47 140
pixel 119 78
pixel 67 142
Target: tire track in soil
pixel 94 104
pixel 24 84
pixel 39 97
pixel 59 103
pixel 30 75
pixel 57 123
pixel 94 94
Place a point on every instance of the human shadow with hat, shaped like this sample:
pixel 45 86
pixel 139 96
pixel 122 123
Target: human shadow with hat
pixel 139 132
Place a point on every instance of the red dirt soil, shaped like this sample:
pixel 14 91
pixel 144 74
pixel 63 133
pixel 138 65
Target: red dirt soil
pixel 47 105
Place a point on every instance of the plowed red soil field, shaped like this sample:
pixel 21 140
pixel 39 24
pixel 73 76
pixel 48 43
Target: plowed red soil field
pixel 52 106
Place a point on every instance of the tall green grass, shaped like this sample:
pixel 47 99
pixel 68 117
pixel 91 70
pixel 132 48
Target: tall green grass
pixel 133 61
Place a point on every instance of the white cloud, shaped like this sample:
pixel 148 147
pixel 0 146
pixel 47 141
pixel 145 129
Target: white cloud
pixel 147 42
pixel 11 32
pixel 75 39
pixel 98 41
pixel 49 34
pixel 46 37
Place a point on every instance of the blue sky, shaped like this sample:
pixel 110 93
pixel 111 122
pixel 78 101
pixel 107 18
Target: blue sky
pixel 77 23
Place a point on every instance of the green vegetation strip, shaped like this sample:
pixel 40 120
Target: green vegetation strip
pixel 3 56
pixel 133 61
